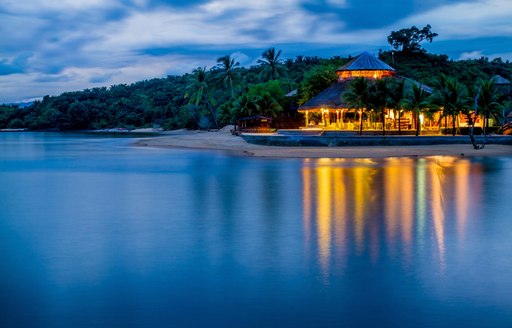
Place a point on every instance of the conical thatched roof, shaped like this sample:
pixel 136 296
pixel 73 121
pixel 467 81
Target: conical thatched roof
pixel 365 62
pixel 500 80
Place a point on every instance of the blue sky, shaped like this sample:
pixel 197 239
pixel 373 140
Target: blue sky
pixel 52 46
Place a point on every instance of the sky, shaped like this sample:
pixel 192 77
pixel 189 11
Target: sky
pixel 52 46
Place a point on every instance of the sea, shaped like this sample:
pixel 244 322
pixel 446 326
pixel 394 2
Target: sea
pixel 95 232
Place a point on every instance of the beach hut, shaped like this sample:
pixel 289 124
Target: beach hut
pixel 255 124
pixel 502 83
pixel 329 110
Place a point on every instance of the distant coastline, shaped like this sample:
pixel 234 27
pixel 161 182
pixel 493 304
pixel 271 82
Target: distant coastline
pixel 14 130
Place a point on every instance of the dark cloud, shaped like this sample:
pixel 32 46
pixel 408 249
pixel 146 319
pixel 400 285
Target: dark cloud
pixel 176 3
pixel 487 46
pixel 101 78
pixel 15 66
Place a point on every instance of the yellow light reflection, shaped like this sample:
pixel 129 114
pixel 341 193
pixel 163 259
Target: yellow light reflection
pixel 407 201
pixel 350 204
pixel 462 178
pixel 306 201
pixel 399 178
pixel 362 181
pixel 421 200
pixel 436 180
pixel 324 213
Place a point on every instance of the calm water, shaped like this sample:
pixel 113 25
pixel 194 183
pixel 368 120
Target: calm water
pixel 96 233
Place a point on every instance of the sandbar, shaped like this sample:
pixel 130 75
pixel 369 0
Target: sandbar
pixel 223 140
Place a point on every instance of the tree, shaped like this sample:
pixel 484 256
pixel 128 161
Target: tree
pixel 396 96
pixel 198 93
pixel 452 97
pixel 267 105
pixel 417 101
pixel 315 80
pixel 272 65
pixel 379 99
pixel 488 101
pixel 266 99
pixel 408 39
pixel 227 72
pixel 358 97
pixel 243 106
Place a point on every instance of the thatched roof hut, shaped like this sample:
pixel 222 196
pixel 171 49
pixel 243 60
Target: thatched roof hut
pixel 503 84
pixel 364 65
pixel 500 80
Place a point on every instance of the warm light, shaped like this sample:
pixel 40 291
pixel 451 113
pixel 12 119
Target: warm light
pixel 422 118
pixel 342 75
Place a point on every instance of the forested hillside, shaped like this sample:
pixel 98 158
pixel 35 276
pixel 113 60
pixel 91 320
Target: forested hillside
pixel 213 97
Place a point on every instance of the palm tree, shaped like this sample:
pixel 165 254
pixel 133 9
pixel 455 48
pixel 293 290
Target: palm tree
pixel 243 106
pixel 380 94
pixel 272 64
pixel 453 97
pixel 396 96
pixel 417 101
pixel 198 93
pixel 227 72
pixel 488 101
pixel 358 97
pixel 268 105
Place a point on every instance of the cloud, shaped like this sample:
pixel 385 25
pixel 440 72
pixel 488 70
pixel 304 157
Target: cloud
pixel 243 59
pixel 36 85
pixel 471 55
pixel 52 46
pixel 228 24
pixel 466 20
pixel 37 6
pixel 476 54
pixel 13 65
pixel 337 3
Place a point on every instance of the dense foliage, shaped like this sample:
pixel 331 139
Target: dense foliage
pixel 408 40
pixel 212 98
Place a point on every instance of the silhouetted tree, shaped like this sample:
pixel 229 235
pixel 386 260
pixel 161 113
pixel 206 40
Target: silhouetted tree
pixel 408 39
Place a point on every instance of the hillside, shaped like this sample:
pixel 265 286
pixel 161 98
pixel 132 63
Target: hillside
pixel 216 97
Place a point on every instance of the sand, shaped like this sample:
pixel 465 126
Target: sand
pixel 223 140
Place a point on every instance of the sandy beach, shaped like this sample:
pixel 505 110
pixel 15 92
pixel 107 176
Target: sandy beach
pixel 223 140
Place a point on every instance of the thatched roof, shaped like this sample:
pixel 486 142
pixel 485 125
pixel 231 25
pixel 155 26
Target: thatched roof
pixel 365 62
pixel 330 98
pixel 410 82
pixel 500 80
pixel 292 93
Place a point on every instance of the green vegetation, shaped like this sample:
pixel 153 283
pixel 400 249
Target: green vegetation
pixel 407 40
pixel 211 98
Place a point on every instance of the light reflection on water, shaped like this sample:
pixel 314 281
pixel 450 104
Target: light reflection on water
pixel 369 203
pixel 94 232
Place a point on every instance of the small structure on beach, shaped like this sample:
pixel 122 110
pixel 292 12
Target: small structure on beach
pixel 503 84
pixel 255 124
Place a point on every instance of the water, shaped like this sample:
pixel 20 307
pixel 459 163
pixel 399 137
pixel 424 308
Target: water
pixel 97 233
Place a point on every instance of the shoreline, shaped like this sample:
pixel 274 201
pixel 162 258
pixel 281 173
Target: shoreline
pixel 223 140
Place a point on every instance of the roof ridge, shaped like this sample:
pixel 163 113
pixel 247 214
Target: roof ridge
pixel 365 62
